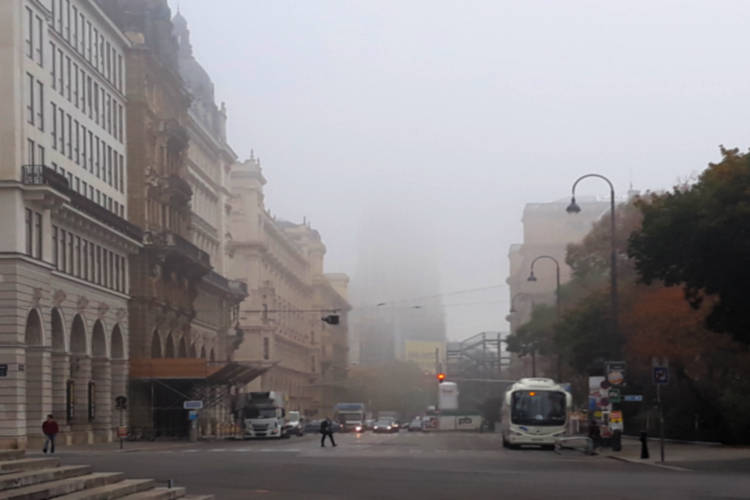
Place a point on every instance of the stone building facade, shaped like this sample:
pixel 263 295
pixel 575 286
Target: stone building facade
pixel 65 251
pixel 282 264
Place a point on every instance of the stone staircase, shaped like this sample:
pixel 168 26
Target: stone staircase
pixel 40 478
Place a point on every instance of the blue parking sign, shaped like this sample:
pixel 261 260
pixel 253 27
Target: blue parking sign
pixel 661 375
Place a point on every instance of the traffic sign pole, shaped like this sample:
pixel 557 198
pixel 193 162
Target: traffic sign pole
pixel 661 421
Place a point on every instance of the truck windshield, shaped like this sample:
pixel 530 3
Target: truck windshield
pixel 350 417
pixel 260 413
pixel 538 408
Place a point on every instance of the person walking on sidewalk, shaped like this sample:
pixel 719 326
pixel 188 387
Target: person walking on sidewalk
pixel 326 429
pixel 50 430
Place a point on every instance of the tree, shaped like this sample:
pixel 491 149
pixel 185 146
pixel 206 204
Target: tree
pixel 698 237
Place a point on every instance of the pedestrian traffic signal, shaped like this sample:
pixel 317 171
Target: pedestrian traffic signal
pixel 441 377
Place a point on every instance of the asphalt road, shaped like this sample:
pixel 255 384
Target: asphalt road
pixel 406 466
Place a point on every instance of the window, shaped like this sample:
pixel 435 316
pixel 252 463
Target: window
pixel 266 348
pixel 63 265
pixel 109 62
pixel 119 73
pixel 119 122
pixel 75 27
pixel 62 131
pixel 75 85
pixel 122 174
pixel 117 273
pixel 53 71
pixel 29 98
pixel 111 262
pixel 104 115
pixel 54 125
pixel 54 236
pixel 30 151
pixel 85 252
pixel 91 151
pixel 78 271
pixel 29 232
pixel 60 72
pixel 88 96
pixel 95 43
pixel 29 33
pixel 40 154
pixel 108 113
pixel 83 147
pixel 67 20
pixel 82 39
pixel 40 105
pixel 98 265
pixel 88 41
pixel 77 152
pixel 96 102
pixel 40 41
pixel 101 54
pixel 70 137
pixel 70 253
pixel 109 165
pixel 92 263
pixel 59 16
pixel 78 184
pixel 68 77
pixel 98 157
pixel 38 235
pixel 83 91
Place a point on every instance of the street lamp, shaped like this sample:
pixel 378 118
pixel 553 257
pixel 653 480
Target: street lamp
pixel 532 277
pixel 574 208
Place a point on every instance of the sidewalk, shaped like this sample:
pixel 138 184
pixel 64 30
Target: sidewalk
pixel 128 447
pixel 677 456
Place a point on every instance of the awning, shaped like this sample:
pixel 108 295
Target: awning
pixel 238 372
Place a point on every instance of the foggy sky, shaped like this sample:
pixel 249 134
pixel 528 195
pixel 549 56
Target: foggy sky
pixel 461 112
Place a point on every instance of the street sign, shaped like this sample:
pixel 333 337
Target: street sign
pixel 122 432
pixel 633 398
pixel 193 415
pixel 614 395
pixel 193 405
pixel 661 375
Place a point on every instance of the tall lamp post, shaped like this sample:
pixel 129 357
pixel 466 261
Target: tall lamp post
pixel 574 208
pixel 532 277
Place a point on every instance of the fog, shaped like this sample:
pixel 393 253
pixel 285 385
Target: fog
pixel 453 115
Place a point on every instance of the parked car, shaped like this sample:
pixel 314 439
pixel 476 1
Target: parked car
pixel 384 425
pixel 369 423
pixel 416 425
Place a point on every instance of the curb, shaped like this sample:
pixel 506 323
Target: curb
pixel 653 464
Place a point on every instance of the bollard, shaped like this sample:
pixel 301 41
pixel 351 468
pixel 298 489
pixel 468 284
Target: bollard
pixel 644 445
pixel 169 484
pixel 617 441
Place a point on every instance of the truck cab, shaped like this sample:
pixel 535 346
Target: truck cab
pixel 263 415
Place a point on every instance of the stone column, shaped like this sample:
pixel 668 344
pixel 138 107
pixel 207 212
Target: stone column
pixel 60 376
pixel 37 368
pixel 102 377
pixel 81 375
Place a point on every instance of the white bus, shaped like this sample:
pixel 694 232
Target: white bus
pixel 534 412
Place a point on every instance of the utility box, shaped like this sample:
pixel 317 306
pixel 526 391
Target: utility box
pixel 448 396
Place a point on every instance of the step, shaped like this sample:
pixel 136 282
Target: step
pixel 61 487
pixel 28 478
pixel 111 491
pixel 24 464
pixel 161 493
pixel 11 454
pixel 199 497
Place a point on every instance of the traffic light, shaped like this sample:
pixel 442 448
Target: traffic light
pixel 441 377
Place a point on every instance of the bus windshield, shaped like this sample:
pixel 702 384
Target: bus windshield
pixel 538 408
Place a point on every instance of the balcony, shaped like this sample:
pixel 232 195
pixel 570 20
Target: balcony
pixel 174 244
pixel 176 185
pixel 41 175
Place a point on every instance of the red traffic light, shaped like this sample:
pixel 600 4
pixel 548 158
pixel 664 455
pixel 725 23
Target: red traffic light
pixel 441 377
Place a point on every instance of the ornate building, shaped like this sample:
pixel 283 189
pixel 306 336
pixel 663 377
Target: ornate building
pixel 64 277
pixel 282 264
pixel 181 309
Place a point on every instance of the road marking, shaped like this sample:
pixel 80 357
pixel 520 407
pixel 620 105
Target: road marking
pixel 279 450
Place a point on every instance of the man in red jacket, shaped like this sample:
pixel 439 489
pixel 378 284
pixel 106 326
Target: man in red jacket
pixel 50 430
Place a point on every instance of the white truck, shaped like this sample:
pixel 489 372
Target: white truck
pixel 263 415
